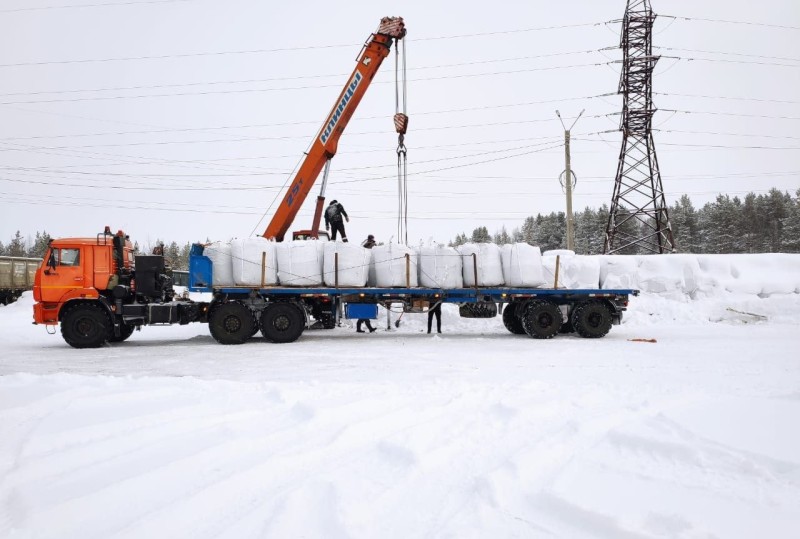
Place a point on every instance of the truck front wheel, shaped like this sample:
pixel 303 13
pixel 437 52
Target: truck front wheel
pixel 85 325
pixel 542 319
pixel 592 319
pixel 231 323
pixel 282 323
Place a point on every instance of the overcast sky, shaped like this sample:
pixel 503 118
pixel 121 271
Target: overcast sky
pixel 183 119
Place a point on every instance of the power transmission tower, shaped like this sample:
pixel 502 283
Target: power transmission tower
pixel 638 220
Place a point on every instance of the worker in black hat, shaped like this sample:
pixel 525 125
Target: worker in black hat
pixel 334 218
pixel 369 243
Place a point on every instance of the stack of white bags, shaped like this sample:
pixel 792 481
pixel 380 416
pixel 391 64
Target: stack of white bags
pixel 256 262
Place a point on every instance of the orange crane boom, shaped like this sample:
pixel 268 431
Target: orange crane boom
pixel 327 139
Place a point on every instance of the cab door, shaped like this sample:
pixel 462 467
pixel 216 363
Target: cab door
pixel 62 272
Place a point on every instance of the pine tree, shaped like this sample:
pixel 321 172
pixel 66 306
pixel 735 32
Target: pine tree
pixel 790 241
pixel 529 231
pixel 461 239
pixel 502 237
pixel 684 220
pixel 481 235
pixel 40 244
pixel 584 222
pixel 183 263
pixel 17 246
pixel 172 255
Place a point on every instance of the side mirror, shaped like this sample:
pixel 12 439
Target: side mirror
pixel 51 262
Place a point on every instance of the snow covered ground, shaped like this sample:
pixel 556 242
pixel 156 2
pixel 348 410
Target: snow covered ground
pixel 474 433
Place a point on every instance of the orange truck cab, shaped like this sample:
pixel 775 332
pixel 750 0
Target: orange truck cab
pixel 99 292
pixel 79 269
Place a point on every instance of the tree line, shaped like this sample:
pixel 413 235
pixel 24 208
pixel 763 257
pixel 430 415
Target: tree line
pixel 764 223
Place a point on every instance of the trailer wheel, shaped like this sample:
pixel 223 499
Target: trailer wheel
pixel 511 320
pixel 542 319
pixel 231 323
pixel 282 323
pixel 124 333
pixel 85 325
pixel 592 319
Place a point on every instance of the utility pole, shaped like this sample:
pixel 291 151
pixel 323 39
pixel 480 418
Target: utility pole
pixel 569 181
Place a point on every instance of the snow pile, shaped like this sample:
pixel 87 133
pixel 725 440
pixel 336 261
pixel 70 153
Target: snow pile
pixel 254 262
pixel 219 252
pixel 395 265
pixel 350 268
pixel 487 259
pixel 698 276
pixel 440 267
pixel 619 272
pixel 522 265
pixel 300 263
pixel 666 274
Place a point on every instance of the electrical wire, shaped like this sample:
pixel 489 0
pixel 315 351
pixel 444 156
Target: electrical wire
pixel 286 49
pixel 722 21
pixel 303 122
pixel 288 88
pixel 71 6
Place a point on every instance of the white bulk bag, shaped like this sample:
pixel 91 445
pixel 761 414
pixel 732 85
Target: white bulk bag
pixel 391 267
pixel 300 263
pixel 489 264
pixel 247 257
pixel 575 271
pixel 353 264
pixel 522 265
pixel 219 252
pixel 440 267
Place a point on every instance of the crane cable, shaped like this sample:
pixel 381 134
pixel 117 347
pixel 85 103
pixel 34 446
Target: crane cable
pixel 401 125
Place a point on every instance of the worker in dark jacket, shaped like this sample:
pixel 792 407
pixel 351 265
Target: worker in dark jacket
pixel 334 218
pixel 368 243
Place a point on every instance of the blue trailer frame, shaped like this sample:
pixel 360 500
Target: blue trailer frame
pixel 533 310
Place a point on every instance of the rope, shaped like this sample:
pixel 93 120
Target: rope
pixel 402 152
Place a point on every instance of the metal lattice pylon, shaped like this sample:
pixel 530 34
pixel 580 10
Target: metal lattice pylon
pixel 639 219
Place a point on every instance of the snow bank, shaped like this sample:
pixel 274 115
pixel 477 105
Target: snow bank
pixel 697 276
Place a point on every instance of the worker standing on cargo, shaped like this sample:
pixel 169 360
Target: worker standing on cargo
pixel 334 218
pixel 368 243
pixel 435 310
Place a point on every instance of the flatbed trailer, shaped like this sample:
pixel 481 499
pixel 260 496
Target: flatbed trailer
pixel 100 293
pixel 282 313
